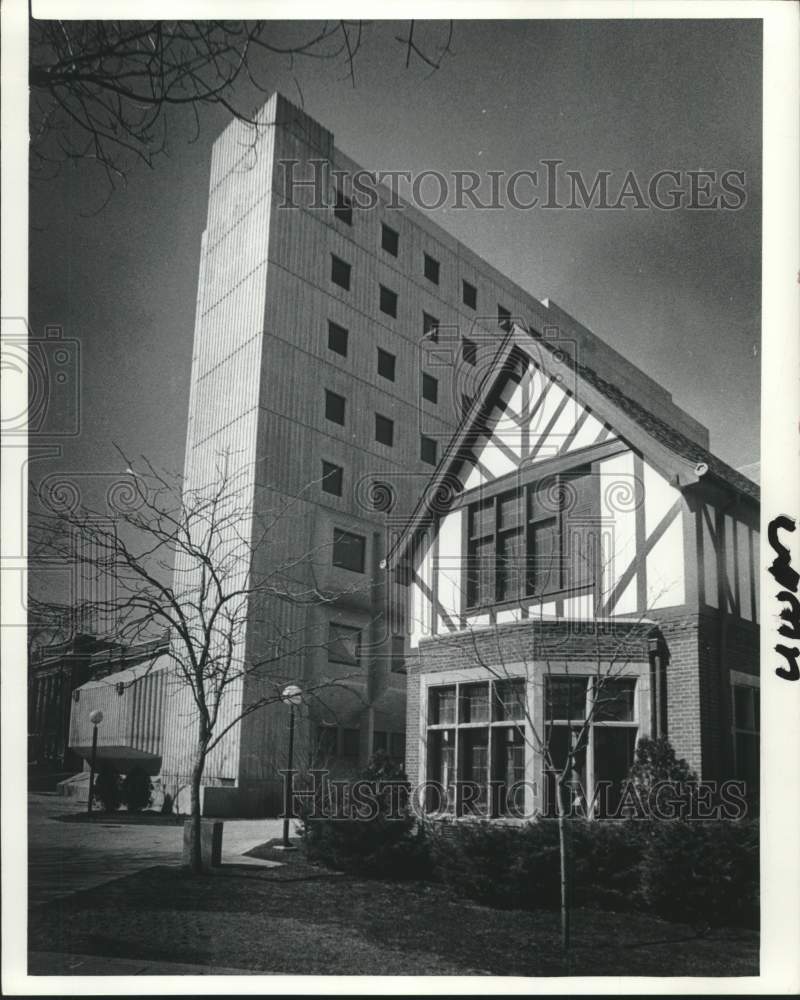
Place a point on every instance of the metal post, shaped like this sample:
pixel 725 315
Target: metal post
pixel 91 768
pixel 289 783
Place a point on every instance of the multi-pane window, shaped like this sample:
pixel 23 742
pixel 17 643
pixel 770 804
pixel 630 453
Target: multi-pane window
pixel 344 643
pixel 384 430
pixel 389 239
pixel 334 407
pixel 431 269
pixel 392 744
pixel 469 295
pixel 503 317
pixel 340 272
pixel 469 351
pixel 430 327
pixel 516 544
pixel 388 301
pixel 348 550
pixel 332 478
pixel 590 732
pixel 430 388
pixel 337 338
pixel 343 208
pixel 746 729
pixel 476 748
pixel 386 364
pixel 427 449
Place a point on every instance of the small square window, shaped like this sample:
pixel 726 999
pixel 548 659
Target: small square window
pixel 469 351
pixel 432 269
pixel 430 388
pixel 384 430
pixel 334 407
pixel 390 239
pixel 469 295
pixel 348 550
pixel 388 301
pixel 344 644
pixel 386 363
pixel 332 478
pixel 503 317
pixel 343 208
pixel 430 327
pixel 340 272
pixel 337 338
pixel 427 449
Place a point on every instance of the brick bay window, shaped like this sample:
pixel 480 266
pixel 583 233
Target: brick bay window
pixel 603 746
pixel 476 748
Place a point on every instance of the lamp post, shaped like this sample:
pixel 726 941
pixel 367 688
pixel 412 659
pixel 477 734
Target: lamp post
pixel 291 695
pixel 95 718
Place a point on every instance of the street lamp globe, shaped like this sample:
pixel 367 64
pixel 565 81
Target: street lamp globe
pixel 292 694
pixel 96 717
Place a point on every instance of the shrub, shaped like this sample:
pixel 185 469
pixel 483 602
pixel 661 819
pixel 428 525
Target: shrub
pixel 656 764
pixel 388 844
pixel 137 790
pixel 704 873
pixel 107 788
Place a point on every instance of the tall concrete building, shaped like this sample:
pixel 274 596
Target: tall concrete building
pixel 336 349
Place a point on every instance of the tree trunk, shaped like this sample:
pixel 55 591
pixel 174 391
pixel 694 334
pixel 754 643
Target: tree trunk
pixel 197 775
pixel 564 855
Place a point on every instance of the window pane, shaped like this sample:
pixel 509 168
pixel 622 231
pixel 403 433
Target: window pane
pixel 744 708
pixel 350 742
pixel 397 745
pixel 326 742
pixel 544 562
pixel 442 771
pixel 334 407
pixel 430 326
pixel 343 644
pixel 509 770
pixel 503 317
pixel 474 783
pixel 614 699
pixel 559 739
pixel 427 450
pixel 337 338
pixel 384 430
pixel 389 239
pixel 332 478
pixel 432 269
pixel 510 565
pixel 343 208
pixel 480 572
pixel 430 388
pixel 442 706
pixel 388 301
pixel 747 760
pixel 340 272
pixel 613 755
pixel 565 698
pixel 474 703
pixel 469 351
pixel 348 550
pixel 509 700
pixel 386 363
pixel 481 516
pixel 469 295
pixel 380 742
pixel 509 513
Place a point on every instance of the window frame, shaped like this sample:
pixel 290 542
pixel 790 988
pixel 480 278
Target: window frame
pixel 330 397
pixel 431 442
pixel 430 327
pixel 333 470
pixel 336 330
pixel 395 238
pixel 334 640
pixel 431 268
pixel 429 388
pixel 387 423
pixel 382 353
pixel 469 352
pixel 473 294
pixel 342 207
pixel 391 298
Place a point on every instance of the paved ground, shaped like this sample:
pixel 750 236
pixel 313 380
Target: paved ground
pixel 67 857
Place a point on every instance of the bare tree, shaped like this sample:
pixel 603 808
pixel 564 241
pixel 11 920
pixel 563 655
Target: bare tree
pixel 110 91
pixel 198 561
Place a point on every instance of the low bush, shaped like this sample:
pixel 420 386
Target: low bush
pixel 137 790
pixel 703 873
pixel 386 843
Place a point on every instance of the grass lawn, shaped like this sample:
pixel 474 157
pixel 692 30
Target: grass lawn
pixel 304 920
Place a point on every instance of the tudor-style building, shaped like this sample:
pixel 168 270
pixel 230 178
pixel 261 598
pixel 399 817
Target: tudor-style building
pixel 571 542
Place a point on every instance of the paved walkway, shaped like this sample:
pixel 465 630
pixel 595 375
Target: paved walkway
pixel 67 857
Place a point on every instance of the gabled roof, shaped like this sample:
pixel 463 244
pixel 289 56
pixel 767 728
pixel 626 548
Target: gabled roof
pixel 682 461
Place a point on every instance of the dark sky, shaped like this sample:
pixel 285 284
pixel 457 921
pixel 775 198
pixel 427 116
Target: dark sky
pixel 675 292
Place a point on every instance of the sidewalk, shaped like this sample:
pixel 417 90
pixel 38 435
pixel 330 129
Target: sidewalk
pixel 64 858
